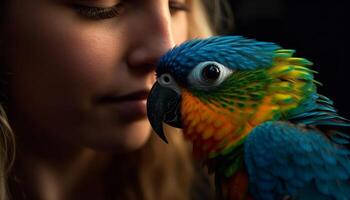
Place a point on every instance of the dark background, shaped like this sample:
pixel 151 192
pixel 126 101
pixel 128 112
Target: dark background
pixel 315 29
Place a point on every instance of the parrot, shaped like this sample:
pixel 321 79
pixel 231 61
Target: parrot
pixel 253 115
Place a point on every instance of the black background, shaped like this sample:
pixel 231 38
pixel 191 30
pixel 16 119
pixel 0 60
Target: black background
pixel 315 29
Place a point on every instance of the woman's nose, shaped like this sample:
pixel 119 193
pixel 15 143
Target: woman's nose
pixel 152 38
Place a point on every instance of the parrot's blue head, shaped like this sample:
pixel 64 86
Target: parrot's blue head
pixel 233 52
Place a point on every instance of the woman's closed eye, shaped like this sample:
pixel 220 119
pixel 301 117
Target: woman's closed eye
pixel 177 6
pixel 96 13
pixel 101 12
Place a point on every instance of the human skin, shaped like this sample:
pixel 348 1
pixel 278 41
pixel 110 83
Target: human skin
pixel 64 64
pixel 64 70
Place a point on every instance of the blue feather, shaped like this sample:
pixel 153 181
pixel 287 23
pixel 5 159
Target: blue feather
pixel 235 52
pixel 318 164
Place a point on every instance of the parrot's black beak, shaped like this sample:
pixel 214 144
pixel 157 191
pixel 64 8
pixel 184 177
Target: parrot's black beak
pixel 163 105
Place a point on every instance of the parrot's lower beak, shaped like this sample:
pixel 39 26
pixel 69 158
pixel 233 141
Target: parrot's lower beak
pixel 163 105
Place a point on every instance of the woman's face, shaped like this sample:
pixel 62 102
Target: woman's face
pixel 80 74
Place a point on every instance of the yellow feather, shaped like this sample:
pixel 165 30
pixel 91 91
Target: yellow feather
pixel 283 98
pixel 279 69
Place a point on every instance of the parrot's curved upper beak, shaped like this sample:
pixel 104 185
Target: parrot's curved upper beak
pixel 163 105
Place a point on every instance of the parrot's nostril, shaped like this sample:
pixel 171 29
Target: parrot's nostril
pixel 165 79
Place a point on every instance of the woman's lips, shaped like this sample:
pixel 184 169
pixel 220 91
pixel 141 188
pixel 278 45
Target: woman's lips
pixel 129 107
pixel 134 96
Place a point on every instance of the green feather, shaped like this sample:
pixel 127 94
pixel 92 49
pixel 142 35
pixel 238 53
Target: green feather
pixel 232 169
pixel 284 53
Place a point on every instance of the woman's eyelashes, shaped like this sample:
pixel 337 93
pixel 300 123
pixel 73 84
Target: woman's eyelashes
pixel 100 13
pixel 96 13
pixel 177 6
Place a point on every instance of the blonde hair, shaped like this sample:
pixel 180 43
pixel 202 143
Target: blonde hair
pixel 220 21
pixel 157 171
pixel 160 171
pixel 199 21
pixel 7 151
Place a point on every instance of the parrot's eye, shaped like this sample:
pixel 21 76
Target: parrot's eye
pixel 207 75
pixel 211 72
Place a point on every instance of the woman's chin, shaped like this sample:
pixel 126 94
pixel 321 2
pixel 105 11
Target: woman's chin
pixel 127 138
pixel 135 140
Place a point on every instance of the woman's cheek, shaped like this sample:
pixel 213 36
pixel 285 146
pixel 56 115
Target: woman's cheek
pixel 57 61
pixel 64 47
pixel 89 60
pixel 179 27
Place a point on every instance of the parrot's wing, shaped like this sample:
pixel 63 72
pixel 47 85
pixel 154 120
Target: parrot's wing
pixel 284 159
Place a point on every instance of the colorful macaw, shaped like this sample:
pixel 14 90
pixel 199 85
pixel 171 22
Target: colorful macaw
pixel 254 117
